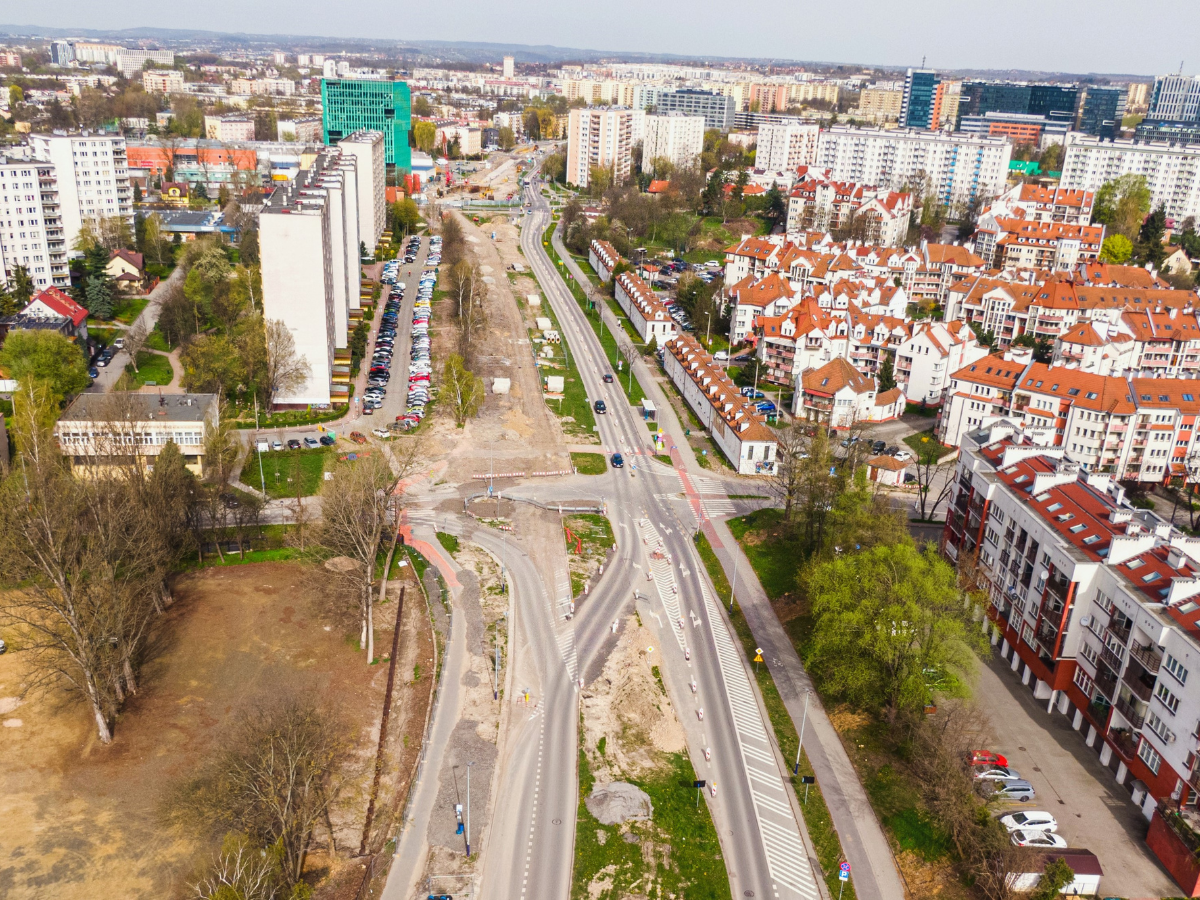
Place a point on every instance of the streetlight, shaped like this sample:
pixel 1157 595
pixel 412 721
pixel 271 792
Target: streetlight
pixel 803 722
pixel 469 809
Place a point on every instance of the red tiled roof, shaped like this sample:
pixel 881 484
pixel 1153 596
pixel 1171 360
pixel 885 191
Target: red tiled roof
pixel 62 304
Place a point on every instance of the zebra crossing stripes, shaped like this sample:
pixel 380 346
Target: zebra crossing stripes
pixel 786 859
pixel 663 573
pixel 564 631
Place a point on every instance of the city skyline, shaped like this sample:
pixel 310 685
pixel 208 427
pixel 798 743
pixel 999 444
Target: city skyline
pixel 1027 36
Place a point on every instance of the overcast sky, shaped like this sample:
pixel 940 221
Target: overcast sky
pixel 1146 37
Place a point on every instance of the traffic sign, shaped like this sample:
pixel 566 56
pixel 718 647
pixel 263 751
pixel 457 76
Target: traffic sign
pixel 844 867
pixel 808 779
pixel 843 875
pixel 758 657
pixel 700 783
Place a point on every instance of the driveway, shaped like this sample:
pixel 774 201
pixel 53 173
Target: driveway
pixel 1093 811
pixel 109 374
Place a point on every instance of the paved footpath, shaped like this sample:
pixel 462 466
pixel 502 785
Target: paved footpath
pixel 873 867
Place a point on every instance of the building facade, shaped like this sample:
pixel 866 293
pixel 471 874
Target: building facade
pixel 958 167
pixel 369 151
pixel 31 229
pixel 677 138
pixel 920 106
pixel 599 137
pixel 717 109
pixel 349 105
pixel 1101 112
pixel 93 178
pixel 1172 172
pixel 782 148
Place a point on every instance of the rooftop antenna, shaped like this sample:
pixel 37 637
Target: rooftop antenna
pixel 922 62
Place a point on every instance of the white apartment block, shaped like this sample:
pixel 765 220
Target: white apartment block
pixel 31 231
pixel 677 138
pixel 130 62
pixel 162 81
pixel 598 137
pixel 1092 601
pixel 229 128
pixel 368 150
pixel 958 166
pixel 645 310
pixel 926 360
pixel 781 148
pixel 93 178
pixel 310 266
pixel 1172 171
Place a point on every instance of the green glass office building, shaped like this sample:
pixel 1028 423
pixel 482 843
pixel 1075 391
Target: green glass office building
pixel 350 105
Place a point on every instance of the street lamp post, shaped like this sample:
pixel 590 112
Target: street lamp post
pixel 733 587
pixel 803 722
pixel 469 809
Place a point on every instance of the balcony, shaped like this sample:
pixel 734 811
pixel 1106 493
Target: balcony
pixel 1149 656
pixel 1047 635
pixel 1111 658
pixel 1139 681
pixel 1129 711
pixel 1098 710
pixel 1106 681
pixel 1123 742
pixel 1120 632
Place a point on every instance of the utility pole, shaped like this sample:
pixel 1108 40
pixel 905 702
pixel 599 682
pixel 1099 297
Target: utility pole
pixel 733 587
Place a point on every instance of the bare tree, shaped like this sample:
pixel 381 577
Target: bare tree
pixel 221 446
pixel 357 504
pixel 928 454
pixel 135 340
pixel 286 369
pixel 464 388
pixel 791 450
pixel 273 781
pixel 240 870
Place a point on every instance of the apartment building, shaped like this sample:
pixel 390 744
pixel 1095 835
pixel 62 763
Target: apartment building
pixel 1172 171
pixel 598 137
pixel 310 266
pixel 645 310
pixel 229 128
pixel 1035 203
pixel 838 396
pixel 733 422
pixel 1092 600
pixel 31 229
pixel 350 105
pixel 304 130
pixel 930 355
pixel 956 167
pixel 603 258
pixel 979 393
pixel 93 178
pixel 879 104
pixel 921 103
pixel 716 109
pixel 102 430
pixel 676 138
pixel 819 203
pixel 1018 243
pixel 131 62
pixel 785 147
pixel 162 81
pixel 1175 98
pixel 369 149
pixel 1032 131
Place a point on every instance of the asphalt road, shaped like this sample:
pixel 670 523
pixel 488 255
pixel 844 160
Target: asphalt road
pixel 767 864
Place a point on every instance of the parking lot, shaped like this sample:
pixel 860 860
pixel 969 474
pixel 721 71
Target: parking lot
pixel 1093 811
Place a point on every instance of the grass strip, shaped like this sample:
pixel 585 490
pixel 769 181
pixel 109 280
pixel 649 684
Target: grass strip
pixel 448 541
pixel 289 473
pixel 589 463
pixel 816 814
pixel 152 368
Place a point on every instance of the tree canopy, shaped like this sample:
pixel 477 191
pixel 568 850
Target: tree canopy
pixel 1123 204
pixel 46 358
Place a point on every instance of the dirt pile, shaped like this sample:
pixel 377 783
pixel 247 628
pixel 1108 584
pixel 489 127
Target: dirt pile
pixel 618 802
pixel 627 717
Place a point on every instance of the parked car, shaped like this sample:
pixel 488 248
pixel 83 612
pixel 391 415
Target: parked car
pixel 358 437
pixel 987 758
pixel 293 444
pixel 311 443
pixel 1018 789
pixel 995 773
pixel 93 372
pixel 1045 840
pixel 328 440
pixel 878 446
pixel 1034 820
pixel 276 445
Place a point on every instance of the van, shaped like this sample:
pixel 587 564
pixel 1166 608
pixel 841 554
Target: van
pixel 1013 789
pixel 720 356
pixel 262 445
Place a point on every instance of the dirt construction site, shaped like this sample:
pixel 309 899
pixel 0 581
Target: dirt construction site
pixel 82 820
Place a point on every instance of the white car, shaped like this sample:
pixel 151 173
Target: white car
pixel 1047 840
pixel 381 432
pixel 995 773
pixel 1034 820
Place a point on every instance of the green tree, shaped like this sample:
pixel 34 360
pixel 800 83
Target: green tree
pixel 98 297
pixel 405 216
pixel 424 136
pixel 463 387
pixel 1056 876
pixel 891 629
pixel 507 139
pixel 421 106
pixel 887 374
pixel 16 96
pixel 1116 249
pixel 211 364
pixel 1122 204
pixel 1150 247
pixel 21 286
pixel 47 359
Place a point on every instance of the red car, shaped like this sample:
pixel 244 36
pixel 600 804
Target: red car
pixel 988 758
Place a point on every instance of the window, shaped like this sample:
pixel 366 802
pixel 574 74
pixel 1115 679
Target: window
pixel 1075 529
pixel 1176 669
pixel 1088 652
pixel 1053 507
pixel 1159 727
pixel 1082 681
pixel 1149 756
pixel 1166 698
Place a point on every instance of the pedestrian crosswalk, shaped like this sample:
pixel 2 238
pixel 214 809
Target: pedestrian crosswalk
pixel 786 858
pixel 564 630
pixel 662 572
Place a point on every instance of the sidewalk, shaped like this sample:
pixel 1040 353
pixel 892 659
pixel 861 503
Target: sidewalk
pixel 863 841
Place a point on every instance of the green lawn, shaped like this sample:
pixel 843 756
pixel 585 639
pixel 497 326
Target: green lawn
pixel 575 403
pixel 151 369
pixel 448 541
pixel 156 340
pixel 283 469
pixel 244 416
pixel 104 335
pixel 127 309
pixel 594 536
pixel 920 443
pixel 816 813
pixel 589 463
pixel 774 561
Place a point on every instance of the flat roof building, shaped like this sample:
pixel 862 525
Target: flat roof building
pixel 350 105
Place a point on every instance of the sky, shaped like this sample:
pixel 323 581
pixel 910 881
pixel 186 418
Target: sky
pixel 1147 37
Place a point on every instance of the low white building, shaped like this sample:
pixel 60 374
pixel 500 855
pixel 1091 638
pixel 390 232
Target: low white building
pixel 603 258
pixel 735 425
pixel 648 314
pixel 838 395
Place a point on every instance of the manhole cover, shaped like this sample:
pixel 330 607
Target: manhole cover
pixel 556 821
pixel 748 893
pixel 1021 749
